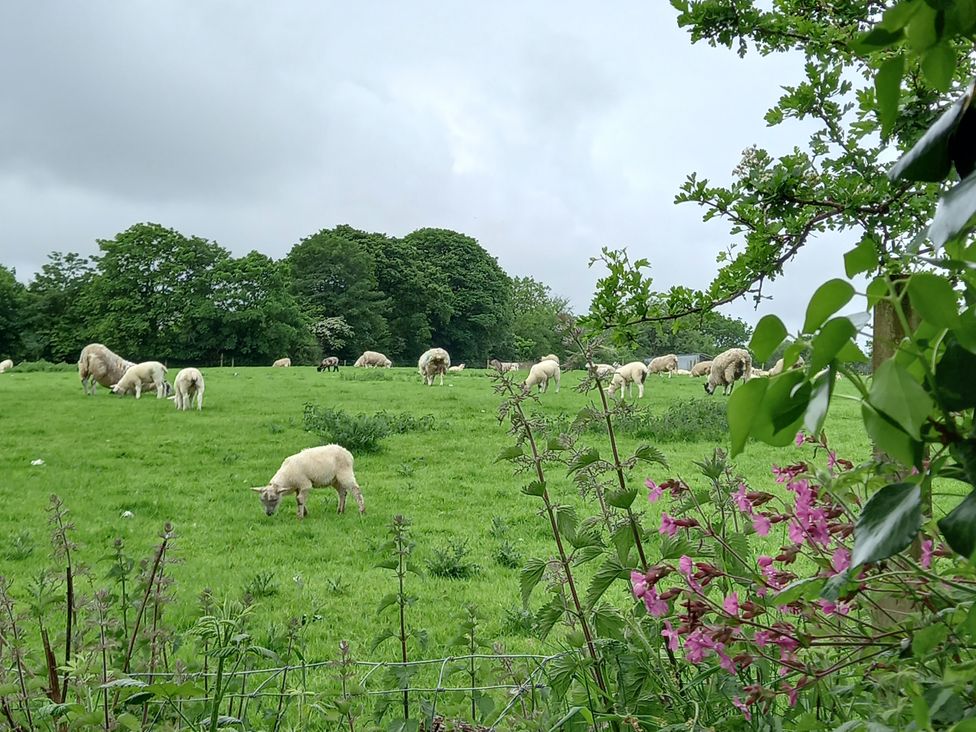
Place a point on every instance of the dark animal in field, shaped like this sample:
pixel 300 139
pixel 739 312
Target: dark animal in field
pixel 328 364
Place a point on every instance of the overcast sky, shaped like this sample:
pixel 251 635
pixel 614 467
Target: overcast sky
pixel 546 130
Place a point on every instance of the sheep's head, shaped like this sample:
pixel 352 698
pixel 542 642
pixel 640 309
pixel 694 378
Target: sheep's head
pixel 709 389
pixel 270 498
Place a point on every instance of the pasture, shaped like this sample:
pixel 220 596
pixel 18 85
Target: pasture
pixel 108 455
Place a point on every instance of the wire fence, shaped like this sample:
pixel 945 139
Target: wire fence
pixel 516 682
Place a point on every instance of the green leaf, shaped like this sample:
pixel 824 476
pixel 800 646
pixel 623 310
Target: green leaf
pixel 548 615
pixel 742 410
pixel 807 588
pixel 816 411
pixel 863 257
pixel 959 526
pixel 535 488
pixel 782 409
pixel 929 159
pixel 622 539
pixel 833 336
pixel 920 712
pixel 956 213
pixel 877 38
pixel 938 65
pixel 566 521
pixel 830 297
pixel 129 721
pixel 927 639
pixel 769 333
pixel 890 438
pixel 898 395
pixel 933 298
pixel 887 88
pixel 510 453
pixel 583 459
pixel 954 377
pixel 610 571
pixel 921 31
pixel 389 599
pixel 530 576
pixel 622 498
pixel 651 454
pixel 898 16
pixel 889 521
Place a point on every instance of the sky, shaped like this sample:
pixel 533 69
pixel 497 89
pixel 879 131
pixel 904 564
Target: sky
pixel 545 130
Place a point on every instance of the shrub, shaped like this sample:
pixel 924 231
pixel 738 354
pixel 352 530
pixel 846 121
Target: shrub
pixel 42 365
pixel 361 431
pixel 452 561
pixel 508 556
pixel 688 420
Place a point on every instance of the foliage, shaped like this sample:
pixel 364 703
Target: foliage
pixel 452 561
pixel 43 366
pixel 13 297
pixel 536 314
pixel 361 431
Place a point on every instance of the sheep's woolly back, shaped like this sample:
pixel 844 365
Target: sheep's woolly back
pixel 634 372
pixel 550 357
pixel 6 364
pixel 702 368
pixel 778 366
pixel 663 364
pixel 141 373
pixel 282 363
pixel 730 366
pixel 432 362
pixel 101 365
pixel 188 384
pixel 603 370
pixel 313 466
pixel 373 358
pixel 541 373
pixel 503 366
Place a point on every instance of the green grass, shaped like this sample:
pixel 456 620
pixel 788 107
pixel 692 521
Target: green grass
pixel 106 455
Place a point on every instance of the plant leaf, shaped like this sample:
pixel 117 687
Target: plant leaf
pixel 769 333
pixel 956 213
pixel 929 159
pixel 938 65
pixel 862 258
pixel 830 297
pixel 898 395
pixel 889 521
pixel 742 410
pixel 959 526
pixel 934 299
pixel 530 576
pixel 887 89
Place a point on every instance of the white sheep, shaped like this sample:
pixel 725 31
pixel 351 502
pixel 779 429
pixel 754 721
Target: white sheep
pixel 455 369
pixel 313 467
pixel 602 370
pixel 503 367
pixel 682 372
pixel 432 362
pixel 663 364
pixel 151 373
pixel 282 363
pixel 702 368
pixel 6 364
pixel 373 359
pixel 758 373
pixel 541 374
pixel 627 375
pixel 778 366
pixel 188 384
pixel 550 357
pixel 98 365
pixel 727 368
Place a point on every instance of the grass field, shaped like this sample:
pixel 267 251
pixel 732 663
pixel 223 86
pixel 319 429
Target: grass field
pixel 107 455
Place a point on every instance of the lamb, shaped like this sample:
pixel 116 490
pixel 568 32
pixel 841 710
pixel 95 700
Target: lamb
pixel 459 367
pixel 6 364
pixel 702 368
pixel 663 364
pixel 727 368
pixel 98 365
pixel 778 366
pixel 188 384
pixel 330 363
pixel 503 367
pixel 282 363
pixel 311 468
pixel 550 357
pixel 757 373
pixel 631 373
pixel 373 359
pixel 147 372
pixel 602 370
pixel 432 362
pixel 540 374
pixel 682 372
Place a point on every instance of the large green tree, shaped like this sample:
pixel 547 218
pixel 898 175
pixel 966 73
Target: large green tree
pixel 13 301
pixel 59 321
pixel 479 304
pixel 333 274
pixel 535 321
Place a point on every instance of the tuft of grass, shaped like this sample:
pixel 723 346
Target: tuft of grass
pixel 452 561
pixel 361 431
pixel 19 546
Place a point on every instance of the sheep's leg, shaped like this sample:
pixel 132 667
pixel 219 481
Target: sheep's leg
pixel 342 499
pixel 138 390
pixel 640 390
pixel 556 377
pixel 300 497
pixel 200 400
pixel 358 495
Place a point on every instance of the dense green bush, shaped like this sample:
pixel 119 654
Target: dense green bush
pixel 361 431
pixel 42 365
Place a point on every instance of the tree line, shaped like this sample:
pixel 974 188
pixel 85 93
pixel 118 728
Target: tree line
pixel 154 293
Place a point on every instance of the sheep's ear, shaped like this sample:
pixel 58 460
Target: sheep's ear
pixel 258 488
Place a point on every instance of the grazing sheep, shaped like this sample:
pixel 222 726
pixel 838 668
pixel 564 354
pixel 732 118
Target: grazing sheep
pixel 778 366
pixel 540 374
pixel 757 373
pixel 663 364
pixel 727 368
pixel 682 372
pixel 311 468
pixel 550 357
pixel 188 384
pixel 98 365
pixel 432 362
pixel 331 363
pixel 152 373
pixel 702 368
pixel 459 367
pixel 373 359
pixel 282 363
pixel 503 367
pixel 6 364
pixel 602 370
pixel 627 375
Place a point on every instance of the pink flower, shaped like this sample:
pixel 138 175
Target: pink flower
pixel 655 490
pixel 795 532
pixel 656 607
pixel 668 526
pixel 831 464
pixel 685 566
pixel 671 635
pixel 740 500
pixel 834 608
pixel 927 551
pixel 840 560
pixel 742 707
pixel 695 646
pixel 731 604
pixel 763 638
pixel 761 524
pixel 790 692
pixel 639 581
pixel 799 438
pixel 724 662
